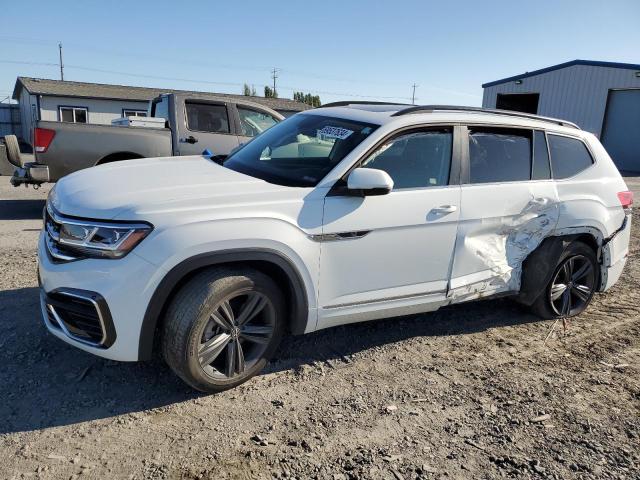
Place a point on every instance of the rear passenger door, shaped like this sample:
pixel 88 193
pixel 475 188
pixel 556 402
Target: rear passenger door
pixel 509 204
pixel 205 125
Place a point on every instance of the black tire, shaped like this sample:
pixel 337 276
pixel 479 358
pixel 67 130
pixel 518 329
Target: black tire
pixel 13 150
pixel 197 318
pixel 581 256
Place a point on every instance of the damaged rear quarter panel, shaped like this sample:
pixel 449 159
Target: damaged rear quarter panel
pixel 500 225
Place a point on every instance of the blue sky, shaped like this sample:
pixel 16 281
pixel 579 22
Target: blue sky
pixel 337 49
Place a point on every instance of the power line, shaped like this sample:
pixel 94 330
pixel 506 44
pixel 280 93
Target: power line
pixel 203 82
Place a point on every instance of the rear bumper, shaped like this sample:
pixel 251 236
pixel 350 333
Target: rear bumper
pixel 615 251
pixel 30 174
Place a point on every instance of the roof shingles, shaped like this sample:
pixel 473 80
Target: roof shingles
pixel 42 86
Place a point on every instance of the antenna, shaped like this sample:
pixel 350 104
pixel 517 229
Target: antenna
pixel 413 95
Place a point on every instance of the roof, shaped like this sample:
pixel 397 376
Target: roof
pixel 60 88
pixel 591 63
pixel 410 115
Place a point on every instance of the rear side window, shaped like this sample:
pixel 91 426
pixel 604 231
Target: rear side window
pixel 499 155
pixel 569 156
pixel 540 169
pixel 207 117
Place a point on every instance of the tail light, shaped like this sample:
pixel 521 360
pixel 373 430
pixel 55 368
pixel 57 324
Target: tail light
pixel 626 199
pixel 42 138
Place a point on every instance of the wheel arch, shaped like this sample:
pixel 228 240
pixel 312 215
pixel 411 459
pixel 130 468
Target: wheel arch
pixel 118 156
pixel 539 265
pixel 273 263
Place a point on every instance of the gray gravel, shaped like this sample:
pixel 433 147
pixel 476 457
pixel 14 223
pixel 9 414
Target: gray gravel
pixel 467 392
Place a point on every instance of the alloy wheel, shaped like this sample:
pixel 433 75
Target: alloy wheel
pixel 238 332
pixel 572 286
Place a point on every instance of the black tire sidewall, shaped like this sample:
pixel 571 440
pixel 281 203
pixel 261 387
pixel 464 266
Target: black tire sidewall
pixel 545 309
pixel 220 288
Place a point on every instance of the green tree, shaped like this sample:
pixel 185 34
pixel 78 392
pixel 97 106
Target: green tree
pixel 246 90
pixel 269 92
pixel 313 100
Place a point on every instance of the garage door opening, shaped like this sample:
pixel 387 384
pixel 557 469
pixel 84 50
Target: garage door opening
pixel 518 102
pixel 621 129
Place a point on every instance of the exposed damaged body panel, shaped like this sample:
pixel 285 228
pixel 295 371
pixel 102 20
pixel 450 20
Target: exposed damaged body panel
pixel 495 237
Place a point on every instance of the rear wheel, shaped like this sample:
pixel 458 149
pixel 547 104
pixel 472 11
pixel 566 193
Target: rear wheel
pixel 572 284
pixel 222 327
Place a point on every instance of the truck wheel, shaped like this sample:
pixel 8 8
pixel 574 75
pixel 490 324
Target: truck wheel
pixel 222 327
pixel 572 284
pixel 13 150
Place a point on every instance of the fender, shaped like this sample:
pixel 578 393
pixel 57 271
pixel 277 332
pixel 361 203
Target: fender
pixel 539 266
pixel 298 316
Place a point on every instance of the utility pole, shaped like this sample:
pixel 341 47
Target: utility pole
pixel 274 75
pixel 413 95
pixel 61 65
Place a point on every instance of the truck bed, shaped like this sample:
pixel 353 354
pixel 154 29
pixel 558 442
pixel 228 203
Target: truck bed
pixel 81 145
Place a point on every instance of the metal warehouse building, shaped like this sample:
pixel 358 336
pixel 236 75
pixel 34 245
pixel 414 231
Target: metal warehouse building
pixel 601 97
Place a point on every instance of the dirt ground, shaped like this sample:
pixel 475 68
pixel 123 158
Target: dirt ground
pixel 468 392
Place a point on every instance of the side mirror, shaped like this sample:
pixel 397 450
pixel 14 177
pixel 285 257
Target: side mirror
pixel 369 181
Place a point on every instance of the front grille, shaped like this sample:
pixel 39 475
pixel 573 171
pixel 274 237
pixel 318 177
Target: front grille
pixel 83 316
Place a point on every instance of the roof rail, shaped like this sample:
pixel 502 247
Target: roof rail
pixel 345 103
pixel 457 108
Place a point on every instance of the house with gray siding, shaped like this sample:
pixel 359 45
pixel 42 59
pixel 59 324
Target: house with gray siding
pixel 601 97
pixel 82 102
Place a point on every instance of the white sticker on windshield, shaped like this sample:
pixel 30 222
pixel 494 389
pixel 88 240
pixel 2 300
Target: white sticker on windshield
pixel 334 132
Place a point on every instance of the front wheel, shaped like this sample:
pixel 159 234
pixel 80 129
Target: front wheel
pixel 222 327
pixel 572 284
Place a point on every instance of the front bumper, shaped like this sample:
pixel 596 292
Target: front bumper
pixel 125 287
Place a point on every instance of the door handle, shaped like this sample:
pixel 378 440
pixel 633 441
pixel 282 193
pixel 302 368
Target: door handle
pixel 190 139
pixel 445 209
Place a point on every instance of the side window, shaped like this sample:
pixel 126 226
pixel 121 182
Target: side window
pixel 415 160
pixel 133 113
pixel 207 117
pixel 540 169
pixel 499 155
pixel 73 114
pixel 569 156
pixel 254 122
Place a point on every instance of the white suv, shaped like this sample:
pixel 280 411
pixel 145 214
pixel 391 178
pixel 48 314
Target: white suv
pixel 346 213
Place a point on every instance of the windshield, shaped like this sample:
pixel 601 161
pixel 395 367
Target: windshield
pixel 299 151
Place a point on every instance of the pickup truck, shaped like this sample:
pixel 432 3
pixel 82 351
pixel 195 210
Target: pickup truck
pixel 193 123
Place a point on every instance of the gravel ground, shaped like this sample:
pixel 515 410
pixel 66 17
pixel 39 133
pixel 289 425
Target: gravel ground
pixel 471 391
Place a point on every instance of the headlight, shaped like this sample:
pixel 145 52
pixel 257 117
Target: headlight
pixel 71 238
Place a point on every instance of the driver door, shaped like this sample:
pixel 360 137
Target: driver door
pixel 391 254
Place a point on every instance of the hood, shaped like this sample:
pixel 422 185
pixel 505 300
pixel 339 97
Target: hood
pixel 128 190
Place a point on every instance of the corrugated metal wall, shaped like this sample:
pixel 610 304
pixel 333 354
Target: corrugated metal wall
pixel 10 120
pixel 577 93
